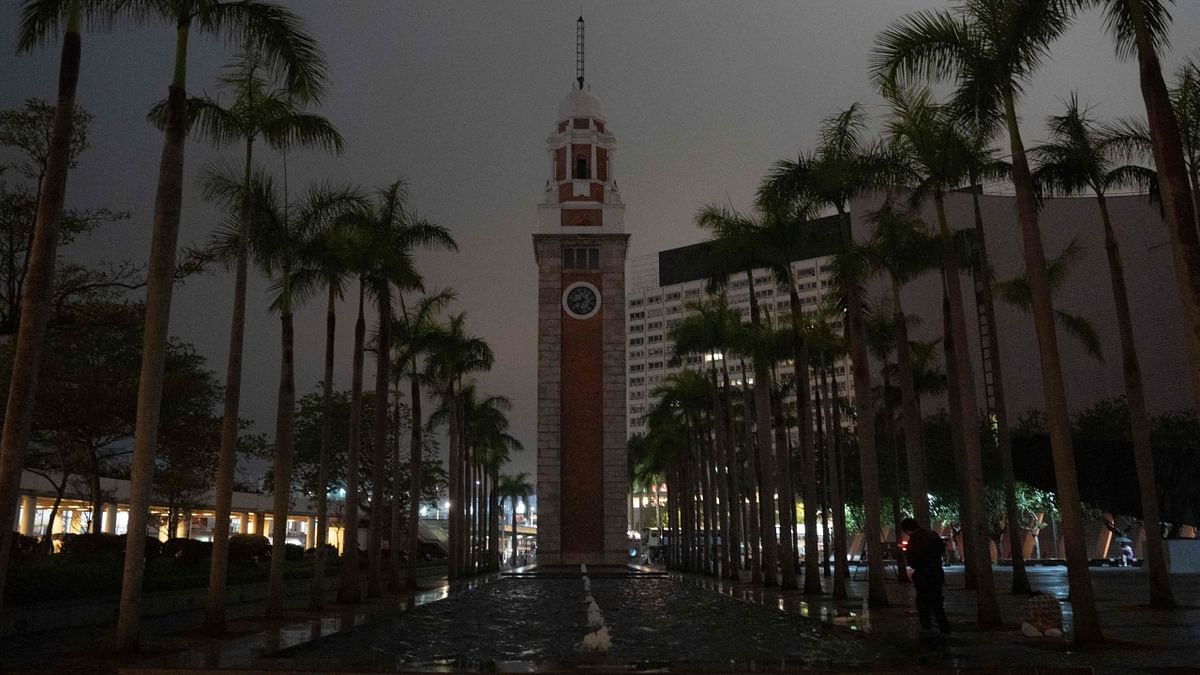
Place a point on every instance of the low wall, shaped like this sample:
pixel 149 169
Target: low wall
pixel 24 619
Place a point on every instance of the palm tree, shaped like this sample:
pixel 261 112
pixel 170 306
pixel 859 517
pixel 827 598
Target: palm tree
pixel 416 334
pixel 392 232
pixel 277 242
pixel 843 166
pixel 1139 27
pixel 737 238
pixel 515 487
pixel 456 356
pixel 784 236
pixel 988 48
pixel 827 345
pixel 1076 158
pixel 933 153
pixel 710 332
pixel 326 264
pixel 256 112
pixel 41 21
pixel 276 33
pixel 902 246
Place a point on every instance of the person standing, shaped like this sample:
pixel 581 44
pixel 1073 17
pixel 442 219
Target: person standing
pixel 924 555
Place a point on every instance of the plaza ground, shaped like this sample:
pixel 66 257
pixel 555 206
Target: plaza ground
pixel 665 623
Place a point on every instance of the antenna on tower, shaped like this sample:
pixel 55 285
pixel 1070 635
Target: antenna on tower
pixel 579 51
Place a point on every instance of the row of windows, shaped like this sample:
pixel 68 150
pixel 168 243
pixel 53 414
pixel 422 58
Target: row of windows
pixel 581 258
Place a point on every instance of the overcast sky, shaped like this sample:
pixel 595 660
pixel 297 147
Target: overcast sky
pixel 458 99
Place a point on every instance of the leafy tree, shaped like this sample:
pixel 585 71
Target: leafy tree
pixel 310 418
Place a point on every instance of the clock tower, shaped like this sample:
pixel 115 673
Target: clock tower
pixel 580 247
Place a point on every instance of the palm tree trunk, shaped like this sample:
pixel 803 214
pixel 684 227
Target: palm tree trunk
pixel 160 282
pixel 350 584
pixel 1087 622
pixel 214 613
pixel 833 463
pixel 787 498
pixel 987 608
pixel 894 452
pixel 823 488
pixel 455 487
pixel 720 480
pixel 394 536
pixel 414 479
pixel 755 484
pixel 673 557
pixel 1020 579
pixel 766 456
pixel 808 451
pixel 868 460
pixel 732 477
pixel 914 451
pixel 1139 421
pixel 37 292
pixel 282 493
pixel 317 586
pixel 1175 193
pixel 379 448
pixel 956 442
pixel 514 531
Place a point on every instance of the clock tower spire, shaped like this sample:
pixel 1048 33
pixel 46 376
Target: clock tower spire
pixel 580 248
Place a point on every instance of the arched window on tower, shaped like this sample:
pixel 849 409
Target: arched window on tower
pixel 581 168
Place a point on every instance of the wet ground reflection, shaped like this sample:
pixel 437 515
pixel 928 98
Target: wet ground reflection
pixel 531 624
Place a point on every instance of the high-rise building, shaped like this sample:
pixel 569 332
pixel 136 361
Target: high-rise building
pixel 665 288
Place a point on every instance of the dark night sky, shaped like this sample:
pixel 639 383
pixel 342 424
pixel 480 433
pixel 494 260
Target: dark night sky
pixel 458 98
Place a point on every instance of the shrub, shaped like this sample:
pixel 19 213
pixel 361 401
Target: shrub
pixel 23 548
pixel 248 548
pixel 93 545
pixel 293 552
pixel 187 551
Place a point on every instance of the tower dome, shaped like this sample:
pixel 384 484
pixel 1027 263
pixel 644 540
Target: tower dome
pixel 581 103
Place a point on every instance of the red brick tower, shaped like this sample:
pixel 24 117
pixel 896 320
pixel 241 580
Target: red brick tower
pixel 580 248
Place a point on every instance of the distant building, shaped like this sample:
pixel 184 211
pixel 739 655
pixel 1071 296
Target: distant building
pixel 665 287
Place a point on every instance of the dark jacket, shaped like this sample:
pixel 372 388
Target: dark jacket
pixel 925 551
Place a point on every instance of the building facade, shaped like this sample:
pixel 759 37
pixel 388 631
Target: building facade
pixel 668 285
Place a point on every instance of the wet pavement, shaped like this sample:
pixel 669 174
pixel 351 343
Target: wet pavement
pixel 531 622
pixel 540 623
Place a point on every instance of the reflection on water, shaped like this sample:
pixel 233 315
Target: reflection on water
pixel 216 653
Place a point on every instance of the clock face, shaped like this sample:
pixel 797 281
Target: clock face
pixel 581 300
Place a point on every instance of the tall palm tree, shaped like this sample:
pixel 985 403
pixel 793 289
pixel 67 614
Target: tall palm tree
pixel 456 356
pixel 326 264
pixel 41 21
pixel 843 166
pixel 902 246
pixel 277 241
pixel 516 488
pixel 392 232
pixel 416 334
pixel 933 153
pixel 784 236
pixel 276 33
pixel 257 112
pixel 710 332
pixel 1139 28
pixel 988 48
pixel 737 237
pixel 1077 158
